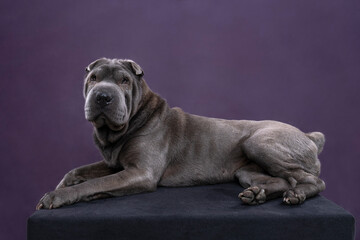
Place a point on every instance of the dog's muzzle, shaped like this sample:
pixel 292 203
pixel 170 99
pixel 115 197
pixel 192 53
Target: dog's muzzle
pixel 105 105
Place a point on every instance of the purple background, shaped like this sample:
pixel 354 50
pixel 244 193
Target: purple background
pixel 292 61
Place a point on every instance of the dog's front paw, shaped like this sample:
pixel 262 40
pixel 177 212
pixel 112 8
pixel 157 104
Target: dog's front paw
pixel 293 197
pixel 57 198
pixel 253 195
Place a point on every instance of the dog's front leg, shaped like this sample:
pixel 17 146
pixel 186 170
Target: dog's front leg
pixel 84 173
pixel 126 182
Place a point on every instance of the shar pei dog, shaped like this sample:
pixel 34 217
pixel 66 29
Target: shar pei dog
pixel 145 144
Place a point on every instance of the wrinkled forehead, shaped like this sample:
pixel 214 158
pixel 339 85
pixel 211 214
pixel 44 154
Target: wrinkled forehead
pixel 113 67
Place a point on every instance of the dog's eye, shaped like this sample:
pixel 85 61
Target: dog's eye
pixel 125 80
pixel 93 78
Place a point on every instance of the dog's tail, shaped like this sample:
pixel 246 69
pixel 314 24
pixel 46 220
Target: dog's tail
pixel 318 138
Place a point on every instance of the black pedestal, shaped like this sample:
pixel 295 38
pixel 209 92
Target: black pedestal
pixel 202 212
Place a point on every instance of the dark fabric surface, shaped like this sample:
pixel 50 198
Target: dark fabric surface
pixel 202 212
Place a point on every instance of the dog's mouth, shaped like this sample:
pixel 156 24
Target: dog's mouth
pixel 102 122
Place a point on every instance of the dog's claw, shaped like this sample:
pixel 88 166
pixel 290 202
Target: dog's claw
pixel 293 198
pixel 39 206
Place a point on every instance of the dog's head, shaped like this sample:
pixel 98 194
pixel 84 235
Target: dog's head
pixel 112 90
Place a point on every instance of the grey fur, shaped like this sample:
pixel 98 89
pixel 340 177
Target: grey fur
pixel 146 144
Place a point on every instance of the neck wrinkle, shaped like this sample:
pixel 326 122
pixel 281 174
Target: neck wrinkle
pixel 150 104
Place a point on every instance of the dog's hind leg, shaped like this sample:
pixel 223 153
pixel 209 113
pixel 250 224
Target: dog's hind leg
pixel 287 154
pixel 307 186
pixel 259 186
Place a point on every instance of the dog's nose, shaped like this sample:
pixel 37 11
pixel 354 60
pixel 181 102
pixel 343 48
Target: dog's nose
pixel 103 99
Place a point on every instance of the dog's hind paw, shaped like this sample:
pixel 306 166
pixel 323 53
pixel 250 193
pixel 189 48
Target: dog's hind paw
pixel 292 197
pixel 253 196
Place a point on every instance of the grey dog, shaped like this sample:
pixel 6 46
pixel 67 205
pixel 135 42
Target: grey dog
pixel 146 144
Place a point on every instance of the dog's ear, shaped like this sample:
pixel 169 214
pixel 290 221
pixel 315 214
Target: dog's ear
pixel 137 70
pixel 93 64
